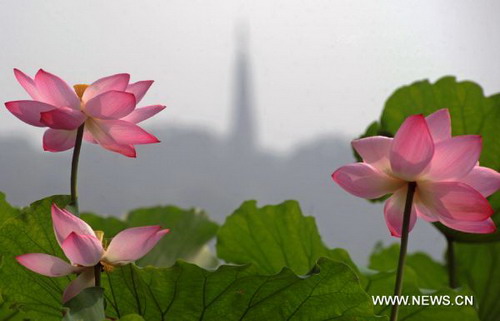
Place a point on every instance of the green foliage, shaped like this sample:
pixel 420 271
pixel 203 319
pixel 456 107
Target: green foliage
pixel 420 272
pixel 30 231
pixel 132 317
pixel 109 225
pixel 271 237
pixel 6 210
pixel 87 305
pixel 190 230
pixel 471 113
pixel 187 292
pixel 181 292
pixel 383 284
pixel 431 274
pixel 479 268
pixel 276 243
pixel 9 311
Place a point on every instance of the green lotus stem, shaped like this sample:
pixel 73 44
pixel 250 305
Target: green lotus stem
pixel 404 245
pixel 451 263
pixel 74 170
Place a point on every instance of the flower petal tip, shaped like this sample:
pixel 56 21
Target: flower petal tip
pixel 334 175
pixel 56 210
pixel 41 71
pixel 394 234
pixel 412 148
pixel 17 72
pixel 475 138
pixel 442 110
pixel 159 229
pixel 151 139
pixel 122 74
pixel 22 258
pixel 488 227
pixel 129 154
pixel 9 105
pixel 164 232
pixel 48 149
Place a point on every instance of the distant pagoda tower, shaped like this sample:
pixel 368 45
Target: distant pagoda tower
pixel 243 130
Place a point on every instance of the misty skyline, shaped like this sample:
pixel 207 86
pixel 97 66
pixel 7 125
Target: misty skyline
pixel 193 167
pixel 319 67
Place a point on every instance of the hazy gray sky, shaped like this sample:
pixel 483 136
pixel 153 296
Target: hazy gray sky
pixel 318 66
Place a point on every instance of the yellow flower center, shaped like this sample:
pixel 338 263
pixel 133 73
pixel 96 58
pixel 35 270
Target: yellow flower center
pixel 107 267
pixel 80 89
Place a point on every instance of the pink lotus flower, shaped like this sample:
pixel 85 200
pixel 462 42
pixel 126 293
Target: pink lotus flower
pixel 84 250
pixel 451 186
pixel 106 107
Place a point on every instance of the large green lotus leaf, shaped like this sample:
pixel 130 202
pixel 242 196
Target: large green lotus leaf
pixel 109 225
pixel 182 292
pixel 422 276
pixel 132 317
pixel 382 283
pixel 30 231
pixel 6 210
pixel 190 230
pixel 186 292
pixel 431 274
pixel 273 237
pixel 8 310
pixel 479 268
pixel 471 113
pixel 343 256
pixel 87 305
